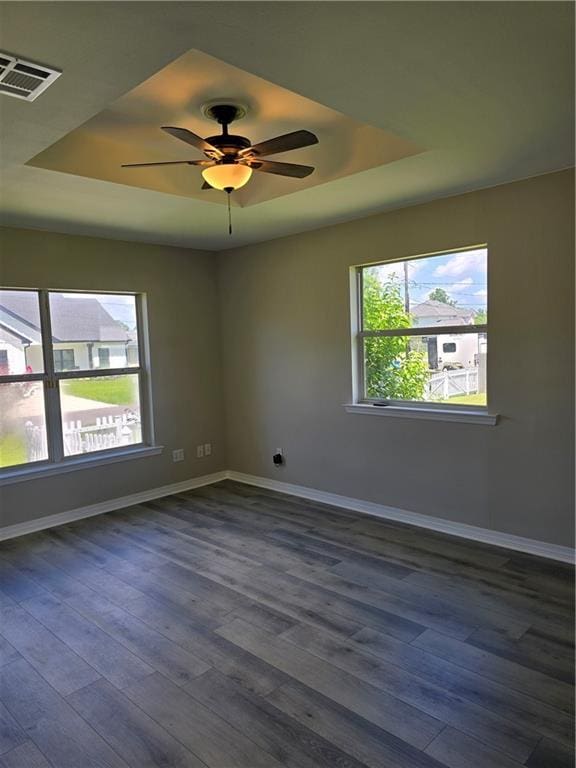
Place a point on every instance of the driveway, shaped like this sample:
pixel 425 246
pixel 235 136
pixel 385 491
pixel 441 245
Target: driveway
pixel 75 408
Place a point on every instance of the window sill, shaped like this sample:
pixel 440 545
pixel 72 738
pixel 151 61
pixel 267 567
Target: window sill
pixel 32 472
pixel 466 415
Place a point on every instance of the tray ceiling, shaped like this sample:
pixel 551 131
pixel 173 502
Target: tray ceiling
pixel 482 93
pixel 128 131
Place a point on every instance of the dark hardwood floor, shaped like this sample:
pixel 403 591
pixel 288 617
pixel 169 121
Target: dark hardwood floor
pixel 234 627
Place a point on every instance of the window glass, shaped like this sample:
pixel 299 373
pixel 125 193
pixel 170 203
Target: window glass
pixel 441 304
pixel 104 357
pixel 64 360
pixel 82 403
pixel 22 423
pixel 99 413
pixel 20 333
pixel 99 328
pixel 417 368
pixel 429 291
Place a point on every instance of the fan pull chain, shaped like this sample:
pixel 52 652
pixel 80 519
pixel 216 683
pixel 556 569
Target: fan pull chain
pixel 229 192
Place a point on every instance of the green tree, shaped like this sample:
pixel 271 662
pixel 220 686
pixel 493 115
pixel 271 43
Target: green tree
pixel 394 370
pixel 439 294
pixel 480 317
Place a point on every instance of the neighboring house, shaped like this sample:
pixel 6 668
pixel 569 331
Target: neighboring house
pixel 432 312
pixel 447 349
pixel 84 335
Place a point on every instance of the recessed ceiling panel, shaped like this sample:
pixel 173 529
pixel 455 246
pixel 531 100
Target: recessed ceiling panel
pixel 128 131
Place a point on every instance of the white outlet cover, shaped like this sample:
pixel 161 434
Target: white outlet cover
pixel 199 451
pixel 207 449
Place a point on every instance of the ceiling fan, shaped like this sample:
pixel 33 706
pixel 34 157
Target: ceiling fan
pixel 230 159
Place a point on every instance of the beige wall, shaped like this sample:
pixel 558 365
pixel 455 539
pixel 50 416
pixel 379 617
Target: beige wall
pixel 287 364
pixel 185 359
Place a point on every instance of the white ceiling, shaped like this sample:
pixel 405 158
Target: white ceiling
pixel 487 88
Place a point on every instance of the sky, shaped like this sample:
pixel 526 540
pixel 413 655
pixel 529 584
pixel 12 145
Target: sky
pixel 463 275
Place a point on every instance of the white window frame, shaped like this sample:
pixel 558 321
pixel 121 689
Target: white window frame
pixel 396 407
pixel 50 379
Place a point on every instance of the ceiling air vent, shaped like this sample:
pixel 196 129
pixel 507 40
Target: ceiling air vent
pixel 24 79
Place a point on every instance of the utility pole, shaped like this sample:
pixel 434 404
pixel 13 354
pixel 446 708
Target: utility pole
pixel 406 292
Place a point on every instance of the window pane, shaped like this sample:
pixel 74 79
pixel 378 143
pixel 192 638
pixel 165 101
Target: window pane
pixel 20 333
pixel 100 413
pixel 419 368
pixel 93 330
pixel 22 423
pixel 435 290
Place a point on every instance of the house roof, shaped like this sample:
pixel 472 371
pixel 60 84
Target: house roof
pixel 78 319
pixel 444 314
pixel 20 316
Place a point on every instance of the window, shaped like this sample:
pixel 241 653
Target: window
pixel 64 360
pixel 104 357
pixel 421 330
pixel 62 394
pixel 132 355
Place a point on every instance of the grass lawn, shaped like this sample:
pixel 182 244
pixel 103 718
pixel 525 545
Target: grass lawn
pixel 12 451
pixel 477 399
pixel 118 390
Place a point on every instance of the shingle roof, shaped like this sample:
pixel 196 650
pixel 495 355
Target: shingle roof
pixel 433 308
pixel 81 319
pixel 20 315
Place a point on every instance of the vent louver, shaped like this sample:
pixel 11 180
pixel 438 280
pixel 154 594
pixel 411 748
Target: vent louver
pixel 24 79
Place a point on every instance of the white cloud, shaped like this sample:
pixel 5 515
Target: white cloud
pixel 461 285
pixel 414 266
pixel 482 293
pixel 387 272
pixel 395 270
pixel 461 263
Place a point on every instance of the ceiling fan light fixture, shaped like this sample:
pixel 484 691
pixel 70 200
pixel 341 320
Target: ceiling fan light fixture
pixel 228 176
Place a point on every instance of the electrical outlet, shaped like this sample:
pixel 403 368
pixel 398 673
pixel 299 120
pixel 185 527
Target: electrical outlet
pixel 178 454
pixel 278 457
pixel 207 449
pixel 199 451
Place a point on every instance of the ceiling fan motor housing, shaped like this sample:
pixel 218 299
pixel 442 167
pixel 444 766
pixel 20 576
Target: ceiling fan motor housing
pixel 229 144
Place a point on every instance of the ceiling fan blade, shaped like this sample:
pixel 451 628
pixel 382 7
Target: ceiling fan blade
pixel 281 169
pixel 169 162
pixel 191 138
pixel 288 141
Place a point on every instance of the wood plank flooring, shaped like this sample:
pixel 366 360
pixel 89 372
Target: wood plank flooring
pixel 235 627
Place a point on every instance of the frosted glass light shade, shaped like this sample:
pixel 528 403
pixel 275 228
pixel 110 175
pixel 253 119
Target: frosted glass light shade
pixel 228 176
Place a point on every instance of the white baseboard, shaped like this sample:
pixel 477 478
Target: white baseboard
pixel 462 530
pixel 485 535
pixel 51 521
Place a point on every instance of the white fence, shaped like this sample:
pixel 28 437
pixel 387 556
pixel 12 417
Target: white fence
pixel 107 432
pixel 36 447
pixel 446 384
